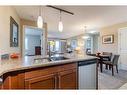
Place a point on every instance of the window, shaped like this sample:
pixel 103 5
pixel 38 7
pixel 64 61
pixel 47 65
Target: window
pixel 57 45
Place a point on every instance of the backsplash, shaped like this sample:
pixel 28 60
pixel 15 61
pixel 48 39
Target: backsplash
pixel 4 56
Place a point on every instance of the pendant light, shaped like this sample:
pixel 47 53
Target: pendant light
pixel 85 36
pixel 60 26
pixel 40 19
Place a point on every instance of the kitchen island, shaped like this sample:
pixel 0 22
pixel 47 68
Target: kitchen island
pixel 31 72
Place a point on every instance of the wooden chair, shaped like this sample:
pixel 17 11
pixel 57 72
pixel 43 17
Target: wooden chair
pixel 113 62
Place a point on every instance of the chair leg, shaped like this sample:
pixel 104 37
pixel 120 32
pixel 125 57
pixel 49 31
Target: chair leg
pixel 112 71
pixel 106 66
pixel 117 68
pixel 101 67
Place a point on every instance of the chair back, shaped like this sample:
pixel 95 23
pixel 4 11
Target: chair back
pixel 108 53
pixel 115 59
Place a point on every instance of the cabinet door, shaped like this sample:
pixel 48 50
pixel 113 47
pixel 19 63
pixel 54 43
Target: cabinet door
pixel 67 79
pixel 42 82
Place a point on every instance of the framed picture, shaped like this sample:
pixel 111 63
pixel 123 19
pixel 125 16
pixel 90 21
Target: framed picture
pixel 108 39
pixel 14 28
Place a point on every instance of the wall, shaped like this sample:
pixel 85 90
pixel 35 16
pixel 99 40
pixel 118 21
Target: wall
pixel 33 40
pixel 113 29
pixel 5 13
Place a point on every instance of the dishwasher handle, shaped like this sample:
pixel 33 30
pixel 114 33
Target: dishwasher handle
pixel 87 62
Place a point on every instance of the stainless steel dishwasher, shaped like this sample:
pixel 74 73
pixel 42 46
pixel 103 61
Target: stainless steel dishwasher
pixel 87 74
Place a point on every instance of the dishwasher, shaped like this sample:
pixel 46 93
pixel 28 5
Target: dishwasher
pixel 87 74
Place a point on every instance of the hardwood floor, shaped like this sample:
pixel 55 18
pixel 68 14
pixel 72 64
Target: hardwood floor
pixel 107 81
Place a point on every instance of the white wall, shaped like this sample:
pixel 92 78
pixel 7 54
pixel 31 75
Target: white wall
pixel 5 13
pixel 33 40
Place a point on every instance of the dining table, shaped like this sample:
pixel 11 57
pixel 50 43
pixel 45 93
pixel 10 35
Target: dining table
pixel 101 58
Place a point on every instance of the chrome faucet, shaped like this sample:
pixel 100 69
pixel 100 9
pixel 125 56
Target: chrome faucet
pixel 49 54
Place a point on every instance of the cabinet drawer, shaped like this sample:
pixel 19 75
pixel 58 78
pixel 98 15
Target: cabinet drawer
pixel 40 72
pixel 67 67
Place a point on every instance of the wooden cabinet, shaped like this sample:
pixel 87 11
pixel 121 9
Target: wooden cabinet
pixel 67 79
pixel 53 77
pixel 42 82
pixel 61 80
pixel 56 77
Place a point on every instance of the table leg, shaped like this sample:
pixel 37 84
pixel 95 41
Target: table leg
pixel 106 66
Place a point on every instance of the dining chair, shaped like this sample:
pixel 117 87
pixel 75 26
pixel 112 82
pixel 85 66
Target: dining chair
pixel 107 53
pixel 112 63
pixel 108 58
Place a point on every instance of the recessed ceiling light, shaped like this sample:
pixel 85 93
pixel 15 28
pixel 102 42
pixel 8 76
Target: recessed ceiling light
pixel 85 37
pixel 92 32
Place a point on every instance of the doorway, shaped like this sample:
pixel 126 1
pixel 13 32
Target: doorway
pixel 92 43
pixel 33 41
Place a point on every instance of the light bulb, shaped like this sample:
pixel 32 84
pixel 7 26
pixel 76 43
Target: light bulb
pixel 40 22
pixel 60 26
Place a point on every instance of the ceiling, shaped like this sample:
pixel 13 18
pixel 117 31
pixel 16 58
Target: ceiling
pixel 93 17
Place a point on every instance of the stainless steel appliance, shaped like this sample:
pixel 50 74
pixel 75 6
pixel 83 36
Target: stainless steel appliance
pixel 87 74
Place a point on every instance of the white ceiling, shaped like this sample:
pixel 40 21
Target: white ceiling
pixel 93 17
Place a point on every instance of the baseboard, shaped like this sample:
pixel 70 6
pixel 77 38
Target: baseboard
pixel 123 67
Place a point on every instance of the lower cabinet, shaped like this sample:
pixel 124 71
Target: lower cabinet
pixel 62 80
pixel 42 82
pixel 55 77
pixel 67 79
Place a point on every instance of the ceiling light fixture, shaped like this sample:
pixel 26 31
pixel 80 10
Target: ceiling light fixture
pixel 40 19
pixel 86 36
pixel 60 26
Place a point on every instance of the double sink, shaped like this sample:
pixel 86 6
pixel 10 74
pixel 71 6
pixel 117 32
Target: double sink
pixel 49 59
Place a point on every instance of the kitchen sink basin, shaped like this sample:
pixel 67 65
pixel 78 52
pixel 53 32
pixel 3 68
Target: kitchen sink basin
pixel 58 58
pixel 48 59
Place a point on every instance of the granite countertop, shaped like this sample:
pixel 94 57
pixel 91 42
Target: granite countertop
pixel 29 62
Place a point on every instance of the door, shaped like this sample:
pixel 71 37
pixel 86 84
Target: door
pixel 122 37
pixel 67 79
pixel 42 82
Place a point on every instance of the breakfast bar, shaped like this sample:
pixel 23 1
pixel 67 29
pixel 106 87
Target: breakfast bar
pixel 37 72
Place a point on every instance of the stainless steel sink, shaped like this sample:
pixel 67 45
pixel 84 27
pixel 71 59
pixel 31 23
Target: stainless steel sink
pixel 48 59
pixel 58 58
